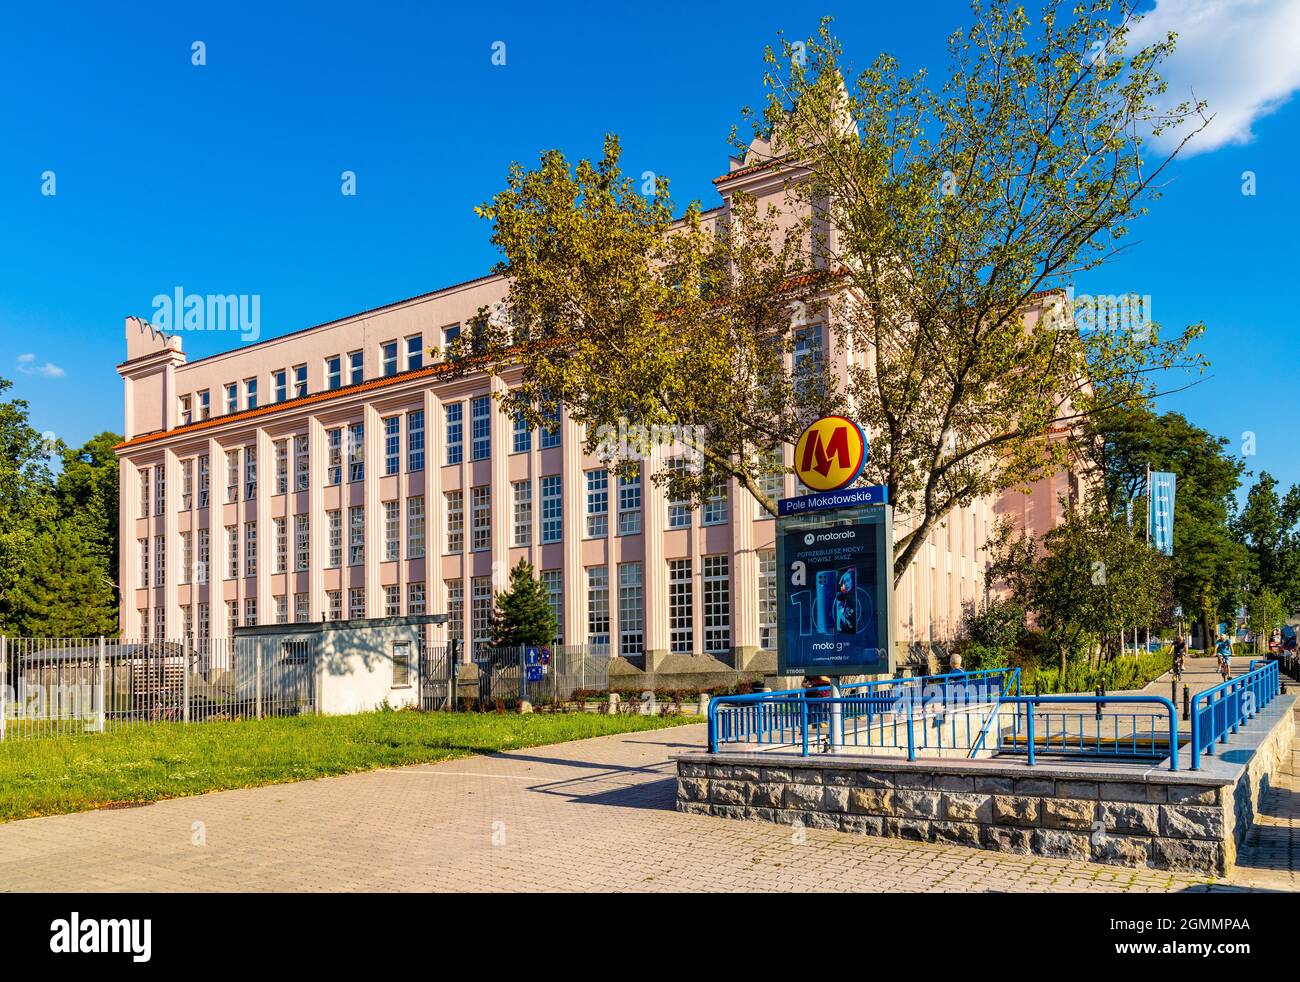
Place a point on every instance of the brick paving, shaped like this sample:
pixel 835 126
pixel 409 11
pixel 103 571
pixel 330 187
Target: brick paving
pixel 1270 859
pixel 591 815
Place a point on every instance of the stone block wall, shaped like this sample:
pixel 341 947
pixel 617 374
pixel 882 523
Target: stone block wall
pixel 1176 826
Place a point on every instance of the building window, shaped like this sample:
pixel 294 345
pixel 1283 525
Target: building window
pixel 456 610
pixel 389 351
pixel 302 542
pixel 717 604
pixel 357 452
pixel 481 428
pixel 232 476
pixel 414 352
pixel 187 416
pixel 204 481
pixel 415 598
pixel 522 495
pixel 598 604
pixel 679 509
pixel 392 601
pixel 187 622
pixel 334 518
pixel 301 463
pixel 280 527
pixel 415 527
pixel 160 624
pixel 299 381
pixel 301 608
pixel 481 518
pixel 205 556
pixel 187 485
pixel 772 484
pixel 160 561
pixel 281 381
pixel 281 609
pixel 807 360
pixel 392 445
pixel 333 372
pixel 392 531
pixel 597 503
pixel 356 368
pixel 401 663
pixel 205 405
pixel 334 598
pixel 767 599
pixel 232 552
pixel 522 438
pixel 160 489
pixel 552 509
pixel 455 521
pixel 629 505
pixel 481 611
pixel 553 580
pixel 144 492
pixel 232 397
pixel 250 473
pixel 631 610
pixel 281 466
pixel 250 611
pixel 205 623
pixel 455 432
pixel 250 393
pixel 681 636
pixel 415 440
pixel 187 556
pixel 550 434
pixel 335 457
pixel 250 548
pixel 142 552
pixel 714 511
pixel 356 535
pixel 356 603
pixel 143 613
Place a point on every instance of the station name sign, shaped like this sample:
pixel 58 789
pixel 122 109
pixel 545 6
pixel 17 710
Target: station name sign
pixel 875 494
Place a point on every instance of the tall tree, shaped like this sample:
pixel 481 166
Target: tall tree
pixel 26 503
pixel 1209 561
pixel 1269 526
pixel 953 209
pixel 634 321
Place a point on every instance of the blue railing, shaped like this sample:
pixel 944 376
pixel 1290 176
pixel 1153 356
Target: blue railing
pixel 880 713
pixel 1226 707
pixel 1148 736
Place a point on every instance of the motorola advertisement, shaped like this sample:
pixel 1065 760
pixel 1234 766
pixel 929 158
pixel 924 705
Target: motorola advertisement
pixel 834 596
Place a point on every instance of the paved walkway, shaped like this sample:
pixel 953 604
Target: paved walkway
pixel 591 815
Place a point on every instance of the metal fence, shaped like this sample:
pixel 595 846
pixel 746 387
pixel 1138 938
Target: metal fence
pixel 504 675
pixel 1228 706
pixel 66 686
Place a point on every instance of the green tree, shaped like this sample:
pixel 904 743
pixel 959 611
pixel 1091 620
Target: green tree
pixel 27 504
pixel 1265 613
pixel 64 592
pixel 1267 526
pixel 634 321
pixel 522 614
pixel 1089 582
pixel 1208 560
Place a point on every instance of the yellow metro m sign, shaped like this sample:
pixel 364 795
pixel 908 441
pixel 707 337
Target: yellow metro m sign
pixel 830 453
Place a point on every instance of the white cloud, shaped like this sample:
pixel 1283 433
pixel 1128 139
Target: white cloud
pixel 28 366
pixel 1240 56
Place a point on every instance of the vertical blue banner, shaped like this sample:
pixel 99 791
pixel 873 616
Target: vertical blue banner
pixel 1160 513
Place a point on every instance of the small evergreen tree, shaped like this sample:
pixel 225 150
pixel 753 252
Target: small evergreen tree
pixel 66 593
pixel 523 612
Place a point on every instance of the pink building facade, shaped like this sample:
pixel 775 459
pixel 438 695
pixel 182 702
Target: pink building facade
pixel 338 472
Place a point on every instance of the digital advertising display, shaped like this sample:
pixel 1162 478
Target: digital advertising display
pixel 835 591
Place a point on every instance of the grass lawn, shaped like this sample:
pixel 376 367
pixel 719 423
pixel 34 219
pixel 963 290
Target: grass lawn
pixel 168 760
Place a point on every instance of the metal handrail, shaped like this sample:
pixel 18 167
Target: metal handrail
pixel 1237 700
pixel 1099 702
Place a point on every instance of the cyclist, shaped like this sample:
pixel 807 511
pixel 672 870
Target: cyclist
pixel 1180 653
pixel 1223 651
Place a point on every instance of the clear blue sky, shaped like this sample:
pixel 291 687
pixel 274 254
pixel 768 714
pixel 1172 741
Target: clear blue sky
pixel 225 178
